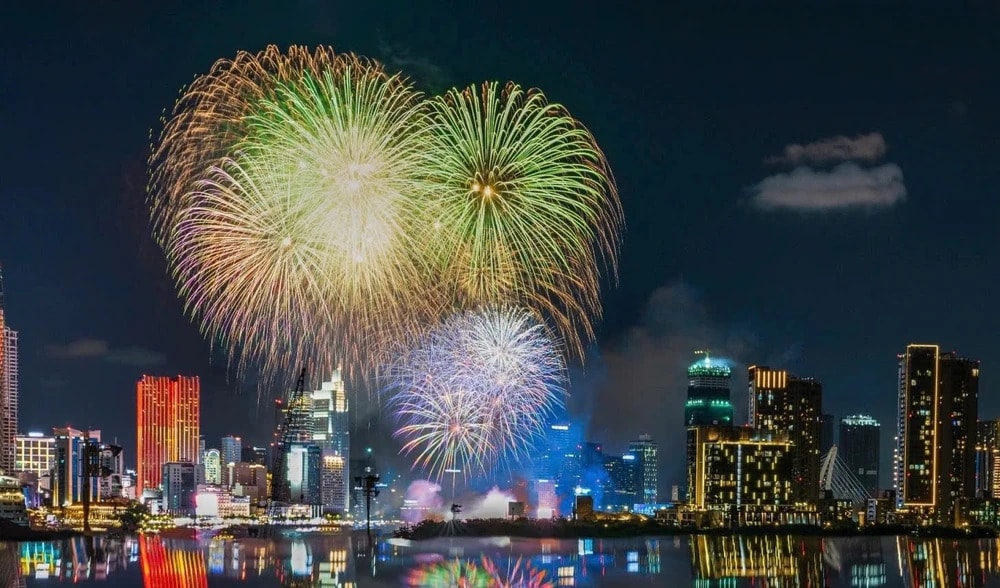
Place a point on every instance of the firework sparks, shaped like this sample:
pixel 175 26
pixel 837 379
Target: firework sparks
pixel 297 242
pixel 476 390
pixel 526 209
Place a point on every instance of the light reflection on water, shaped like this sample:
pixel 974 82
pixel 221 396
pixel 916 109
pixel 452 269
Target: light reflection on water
pixel 351 560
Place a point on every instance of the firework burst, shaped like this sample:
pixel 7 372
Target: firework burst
pixel 476 390
pixel 290 230
pixel 525 206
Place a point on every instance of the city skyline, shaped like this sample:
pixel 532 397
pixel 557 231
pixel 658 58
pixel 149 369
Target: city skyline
pixel 719 187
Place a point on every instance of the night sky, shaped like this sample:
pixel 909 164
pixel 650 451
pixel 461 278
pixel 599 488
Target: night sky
pixel 752 229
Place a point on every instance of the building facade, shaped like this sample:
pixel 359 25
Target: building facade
pixel 708 396
pixel 738 468
pixel 9 394
pixel 646 453
pixel 987 454
pixel 212 462
pixel 232 450
pixel 35 453
pixel 781 404
pixel 68 477
pixel 168 425
pixel 331 433
pixel 179 487
pixel 937 429
pixel 860 439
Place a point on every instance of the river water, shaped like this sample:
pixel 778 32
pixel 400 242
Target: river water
pixel 350 559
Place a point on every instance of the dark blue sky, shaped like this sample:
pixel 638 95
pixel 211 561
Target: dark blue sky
pixel 687 102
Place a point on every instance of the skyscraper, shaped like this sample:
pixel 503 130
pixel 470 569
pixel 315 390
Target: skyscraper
pixel 708 401
pixel 738 467
pixel 645 451
pixel 331 432
pixel 232 450
pixel 168 425
pixel 781 403
pixel 67 468
pixel 987 453
pixel 935 444
pixel 212 462
pixel 860 438
pixel 8 390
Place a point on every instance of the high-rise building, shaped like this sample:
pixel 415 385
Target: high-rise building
pixel 296 469
pixel 35 453
pixel 212 462
pixel 623 487
pixel 232 450
pixel 780 404
pixel 255 455
pixel 645 451
pixel 179 487
pixel 331 433
pixel 936 440
pixel 112 481
pixel 8 390
pixel 708 400
pixel 168 425
pixel 860 439
pixel 987 453
pixel 68 466
pixel 738 467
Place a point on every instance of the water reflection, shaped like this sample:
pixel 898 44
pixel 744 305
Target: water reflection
pixel 350 560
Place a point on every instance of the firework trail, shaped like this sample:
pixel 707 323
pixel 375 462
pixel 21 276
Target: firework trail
pixel 284 193
pixel 526 208
pixel 476 390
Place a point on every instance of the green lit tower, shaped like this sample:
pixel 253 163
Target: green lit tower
pixel 708 393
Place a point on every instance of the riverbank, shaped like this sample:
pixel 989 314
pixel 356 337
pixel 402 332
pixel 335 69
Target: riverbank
pixel 567 529
pixel 13 532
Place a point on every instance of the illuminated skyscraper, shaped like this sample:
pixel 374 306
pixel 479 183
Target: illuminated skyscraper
pixel 67 467
pixel 781 404
pixel 8 391
pixel 331 433
pixel 708 401
pixel 987 453
pixel 168 425
pixel 645 451
pixel 232 450
pixel 860 439
pixel 936 440
pixel 212 462
pixel 35 453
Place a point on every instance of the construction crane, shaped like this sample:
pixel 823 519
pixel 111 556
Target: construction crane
pixel 293 429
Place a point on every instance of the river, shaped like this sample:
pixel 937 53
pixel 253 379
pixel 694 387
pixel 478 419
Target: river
pixel 352 560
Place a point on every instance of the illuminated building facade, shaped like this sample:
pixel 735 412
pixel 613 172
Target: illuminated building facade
pixel 35 453
pixel 937 430
pixel 987 454
pixel 212 462
pixel 708 400
pixel 645 451
pixel 168 425
pixel 780 404
pixel 624 481
pixel 734 467
pixel 9 370
pixel 860 439
pixel 331 432
pixel 67 468
pixel 179 488
pixel 232 450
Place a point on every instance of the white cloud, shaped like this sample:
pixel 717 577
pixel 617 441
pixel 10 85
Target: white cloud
pixel 869 148
pixel 846 186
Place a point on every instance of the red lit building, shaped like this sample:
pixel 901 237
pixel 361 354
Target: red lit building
pixel 168 425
